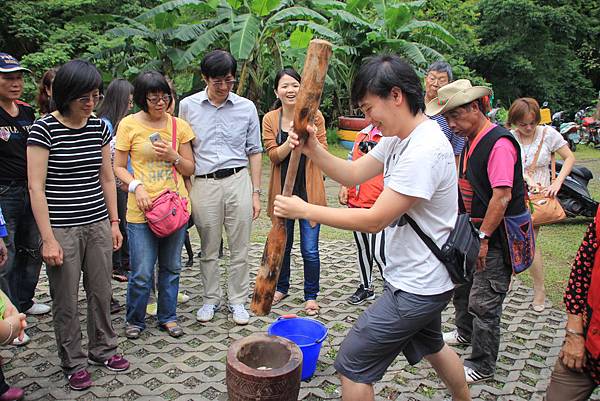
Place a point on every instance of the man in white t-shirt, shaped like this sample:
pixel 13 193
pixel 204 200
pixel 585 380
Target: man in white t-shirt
pixel 419 180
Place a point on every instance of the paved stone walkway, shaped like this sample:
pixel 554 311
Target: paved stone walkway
pixel 193 366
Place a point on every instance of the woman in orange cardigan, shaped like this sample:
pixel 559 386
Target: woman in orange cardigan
pixel 309 186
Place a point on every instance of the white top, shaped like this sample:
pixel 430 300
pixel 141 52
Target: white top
pixel 539 175
pixel 423 166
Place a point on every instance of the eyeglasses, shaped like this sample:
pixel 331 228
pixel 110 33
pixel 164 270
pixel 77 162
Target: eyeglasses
pixel 94 98
pixel 366 146
pixel 219 82
pixel 156 99
pixel 439 80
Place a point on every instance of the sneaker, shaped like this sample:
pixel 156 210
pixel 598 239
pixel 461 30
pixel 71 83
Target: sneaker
pixel 115 306
pixel 474 376
pixel 80 380
pixel 38 309
pixel 453 338
pixel 116 363
pixel 151 309
pixel 206 312
pixel 12 394
pixel 361 295
pixel 240 314
pixel 20 343
pixel 182 297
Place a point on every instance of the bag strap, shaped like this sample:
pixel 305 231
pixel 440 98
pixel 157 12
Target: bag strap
pixel 174 145
pixel 425 238
pixel 552 167
pixel 539 149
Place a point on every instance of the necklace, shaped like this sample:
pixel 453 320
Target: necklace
pixel 527 149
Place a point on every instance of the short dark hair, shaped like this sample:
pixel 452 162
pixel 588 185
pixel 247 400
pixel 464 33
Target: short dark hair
pixel 218 63
pixel 116 101
pixel 149 82
pixel 286 71
pixel 378 75
pixel 441 66
pixel 73 80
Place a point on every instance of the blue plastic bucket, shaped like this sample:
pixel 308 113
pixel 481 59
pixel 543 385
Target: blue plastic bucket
pixel 308 334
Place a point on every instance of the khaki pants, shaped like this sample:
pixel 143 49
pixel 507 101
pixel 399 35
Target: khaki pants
pixel 568 385
pixel 217 203
pixel 87 249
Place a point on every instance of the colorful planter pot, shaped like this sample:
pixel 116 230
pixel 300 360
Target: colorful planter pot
pixel 352 123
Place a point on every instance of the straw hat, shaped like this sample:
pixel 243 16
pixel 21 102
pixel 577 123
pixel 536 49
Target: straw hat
pixel 455 94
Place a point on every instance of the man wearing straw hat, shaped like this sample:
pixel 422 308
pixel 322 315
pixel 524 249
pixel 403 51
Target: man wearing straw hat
pixel 492 188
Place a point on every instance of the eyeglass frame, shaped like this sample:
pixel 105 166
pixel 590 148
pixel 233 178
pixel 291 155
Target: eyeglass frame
pixel 438 80
pixel 166 98
pixel 94 98
pixel 218 83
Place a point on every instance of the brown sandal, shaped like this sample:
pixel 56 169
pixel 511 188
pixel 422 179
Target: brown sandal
pixel 172 328
pixel 311 308
pixel 278 297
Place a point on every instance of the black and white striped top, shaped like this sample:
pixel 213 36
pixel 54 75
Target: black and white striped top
pixel 73 188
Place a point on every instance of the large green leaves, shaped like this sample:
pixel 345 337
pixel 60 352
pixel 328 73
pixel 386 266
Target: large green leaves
pixel 263 8
pixel 245 37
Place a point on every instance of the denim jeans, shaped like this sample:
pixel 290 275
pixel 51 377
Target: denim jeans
pixel 144 250
pixel 309 248
pixel 19 277
pixel 478 308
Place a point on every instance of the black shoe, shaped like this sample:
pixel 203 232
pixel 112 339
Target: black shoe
pixel 361 295
pixel 190 262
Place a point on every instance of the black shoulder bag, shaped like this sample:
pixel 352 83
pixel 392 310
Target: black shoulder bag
pixel 459 253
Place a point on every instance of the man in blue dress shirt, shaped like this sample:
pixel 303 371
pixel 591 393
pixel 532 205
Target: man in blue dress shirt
pixel 225 192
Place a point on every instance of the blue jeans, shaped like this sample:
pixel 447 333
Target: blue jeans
pixel 144 250
pixel 19 277
pixel 309 247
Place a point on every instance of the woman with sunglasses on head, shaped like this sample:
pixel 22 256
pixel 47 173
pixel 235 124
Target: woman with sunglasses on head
pixel 72 188
pixel 146 138
pixel 538 143
pixel 309 186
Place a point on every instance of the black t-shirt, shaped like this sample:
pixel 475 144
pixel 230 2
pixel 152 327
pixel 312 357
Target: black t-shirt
pixel 14 132
pixel 300 184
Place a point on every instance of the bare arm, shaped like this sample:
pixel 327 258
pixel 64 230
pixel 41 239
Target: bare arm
pixel 501 196
pixel 109 190
pixel 569 159
pixel 389 207
pixel 37 169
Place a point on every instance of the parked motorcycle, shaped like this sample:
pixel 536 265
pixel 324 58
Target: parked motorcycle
pixel 568 130
pixel 574 195
pixel 588 127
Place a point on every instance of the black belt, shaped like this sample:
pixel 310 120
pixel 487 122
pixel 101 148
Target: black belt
pixel 13 182
pixel 223 173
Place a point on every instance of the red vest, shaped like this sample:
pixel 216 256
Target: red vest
pixel 364 195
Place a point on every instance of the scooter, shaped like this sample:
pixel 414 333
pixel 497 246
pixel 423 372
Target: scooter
pixel 588 127
pixel 568 130
pixel 574 195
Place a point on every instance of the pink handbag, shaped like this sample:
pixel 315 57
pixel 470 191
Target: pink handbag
pixel 169 210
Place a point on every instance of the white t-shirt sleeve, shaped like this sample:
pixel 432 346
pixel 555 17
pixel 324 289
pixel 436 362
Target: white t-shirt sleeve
pixel 378 152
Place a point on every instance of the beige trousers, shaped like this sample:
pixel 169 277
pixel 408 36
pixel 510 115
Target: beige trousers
pixel 216 204
pixel 88 250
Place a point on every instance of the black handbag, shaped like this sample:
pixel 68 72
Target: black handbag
pixel 459 253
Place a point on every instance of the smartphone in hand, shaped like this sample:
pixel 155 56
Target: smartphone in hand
pixel 154 137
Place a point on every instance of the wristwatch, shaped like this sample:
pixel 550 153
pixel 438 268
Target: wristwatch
pixel 483 235
pixel 176 162
pixel 257 191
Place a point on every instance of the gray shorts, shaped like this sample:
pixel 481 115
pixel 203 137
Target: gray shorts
pixel 398 322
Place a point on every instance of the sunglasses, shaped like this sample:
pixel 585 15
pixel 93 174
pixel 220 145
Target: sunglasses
pixel 366 146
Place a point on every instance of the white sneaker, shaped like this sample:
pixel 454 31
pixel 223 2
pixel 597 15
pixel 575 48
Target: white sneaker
pixel 206 312
pixel 453 338
pixel 474 376
pixel 38 309
pixel 25 341
pixel 182 297
pixel 240 315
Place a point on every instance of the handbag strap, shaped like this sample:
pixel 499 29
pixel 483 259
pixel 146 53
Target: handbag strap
pixel 552 167
pixel 425 238
pixel 537 153
pixel 174 145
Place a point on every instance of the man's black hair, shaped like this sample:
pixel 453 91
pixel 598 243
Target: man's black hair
pixel 149 82
pixel 218 63
pixel 378 75
pixel 73 80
